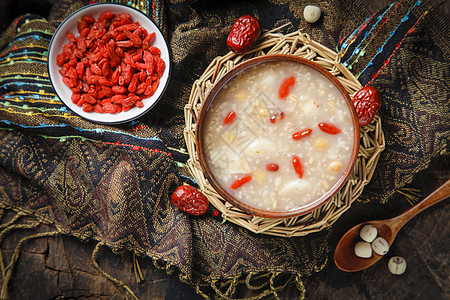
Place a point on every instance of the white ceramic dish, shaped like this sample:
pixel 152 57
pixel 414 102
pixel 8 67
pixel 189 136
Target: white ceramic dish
pixel 59 39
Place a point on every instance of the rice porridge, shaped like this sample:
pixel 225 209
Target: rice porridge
pixel 279 135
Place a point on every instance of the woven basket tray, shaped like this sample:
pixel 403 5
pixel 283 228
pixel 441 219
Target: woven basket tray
pixel 372 138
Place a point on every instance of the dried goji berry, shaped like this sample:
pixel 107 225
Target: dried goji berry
pixel 96 69
pixel 148 61
pixel 329 128
pixel 71 37
pixel 160 67
pixel 68 82
pixel 147 41
pixel 80 69
pixel 229 118
pixel 88 19
pixel 140 88
pixel 154 50
pixel 105 82
pixel 106 15
pixel 98 108
pixel 298 167
pixel 107 91
pixel 139 104
pixel 115 76
pixel 75 97
pixel 125 44
pixel 119 89
pixel 81 45
pixel 89 98
pixel 155 85
pixel 118 98
pixel 133 83
pixel 87 107
pixel 286 87
pixel 61 59
pixel 82 25
pixel 301 134
pixel 133 38
pixel 110 108
pixel 272 167
pixel 106 69
pixel 137 56
pixel 241 181
pixel 111 57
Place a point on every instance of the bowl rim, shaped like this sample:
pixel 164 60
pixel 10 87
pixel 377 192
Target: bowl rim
pixel 168 64
pixel 301 210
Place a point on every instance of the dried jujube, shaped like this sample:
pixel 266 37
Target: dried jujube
pixel 190 200
pixel 243 34
pixel 367 102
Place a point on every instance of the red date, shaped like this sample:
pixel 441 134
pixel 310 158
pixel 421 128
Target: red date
pixel 367 102
pixel 244 33
pixel 190 200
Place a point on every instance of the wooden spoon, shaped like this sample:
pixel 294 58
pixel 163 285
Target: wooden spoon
pixel 344 255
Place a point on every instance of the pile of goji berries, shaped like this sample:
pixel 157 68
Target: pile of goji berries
pixel 111 66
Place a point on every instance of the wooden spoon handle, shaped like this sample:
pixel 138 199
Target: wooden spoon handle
pixel 442 193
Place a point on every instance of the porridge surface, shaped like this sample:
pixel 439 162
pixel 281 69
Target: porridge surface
pixel 250 133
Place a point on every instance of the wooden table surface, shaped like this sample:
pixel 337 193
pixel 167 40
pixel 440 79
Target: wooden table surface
pixel 60 267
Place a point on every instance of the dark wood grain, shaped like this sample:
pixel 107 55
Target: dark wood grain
pixel 344 254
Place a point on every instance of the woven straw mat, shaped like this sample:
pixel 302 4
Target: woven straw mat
pixel 372 138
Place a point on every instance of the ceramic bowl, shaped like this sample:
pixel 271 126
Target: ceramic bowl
pixel 203 148
pixel 69 25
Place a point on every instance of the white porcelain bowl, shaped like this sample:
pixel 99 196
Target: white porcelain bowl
pixel 59 39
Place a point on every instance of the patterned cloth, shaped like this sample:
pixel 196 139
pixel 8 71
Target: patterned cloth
pixel 113 183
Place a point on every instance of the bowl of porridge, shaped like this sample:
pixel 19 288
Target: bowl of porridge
pixel 277 136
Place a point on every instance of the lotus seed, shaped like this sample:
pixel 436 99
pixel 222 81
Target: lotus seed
pixel 380 246
pixel 368 233
pixel 311 13
pixel 397 265
pixel 363 249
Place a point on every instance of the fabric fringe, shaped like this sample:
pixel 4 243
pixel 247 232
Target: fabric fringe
pixel 412 194
pixel 14 219
pixel 7 227
pixel 117 282
pixel 137 269
pixel 262 283
pixel 9 269
pixel 268 279
pixel 3 234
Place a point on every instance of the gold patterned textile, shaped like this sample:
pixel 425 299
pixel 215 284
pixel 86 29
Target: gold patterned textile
pixel 113 184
